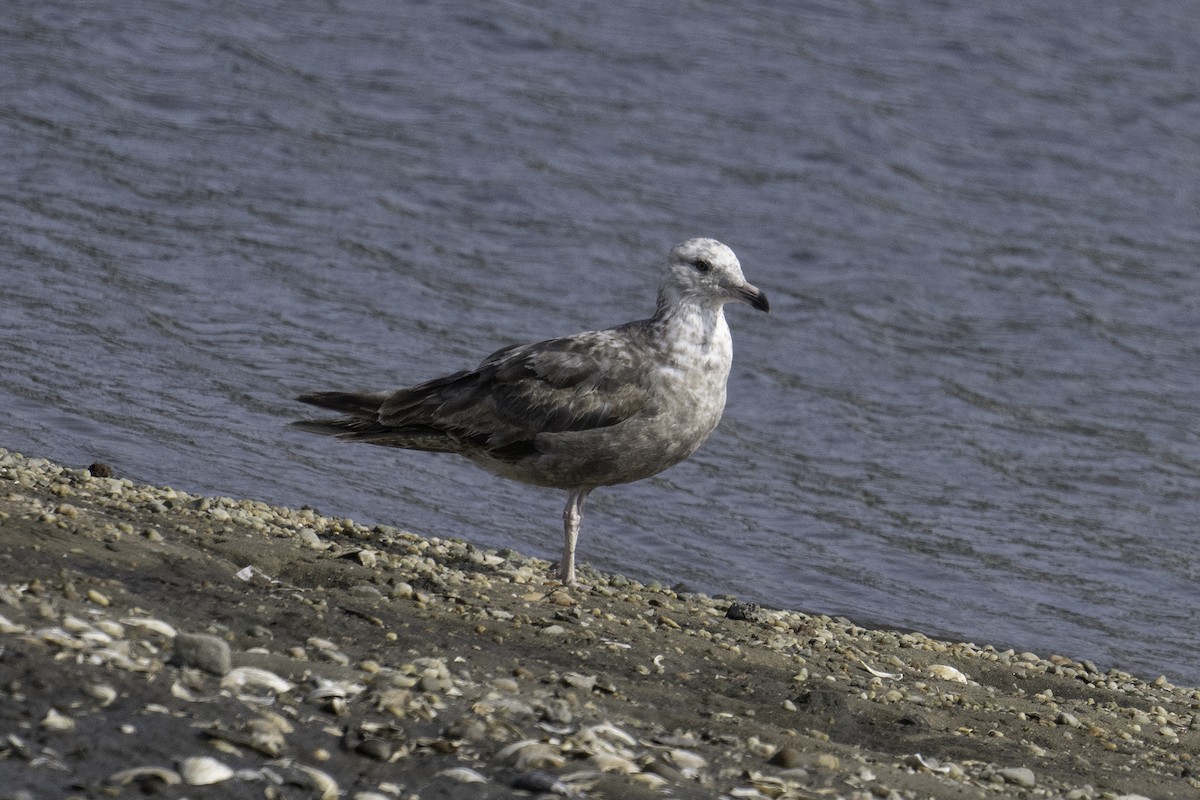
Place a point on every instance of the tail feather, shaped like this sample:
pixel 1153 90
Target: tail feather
pixel 365 404
pixel 356 429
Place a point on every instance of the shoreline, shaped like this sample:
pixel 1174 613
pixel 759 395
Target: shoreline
pixel 152 641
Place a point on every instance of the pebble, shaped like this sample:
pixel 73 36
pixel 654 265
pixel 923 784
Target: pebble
pixel 203 651
pixel 1018 776
pixel 788 758
pixel 54 721
pixel 539 782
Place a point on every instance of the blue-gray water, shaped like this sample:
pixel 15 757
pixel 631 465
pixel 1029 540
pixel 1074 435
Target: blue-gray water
pixel 973 411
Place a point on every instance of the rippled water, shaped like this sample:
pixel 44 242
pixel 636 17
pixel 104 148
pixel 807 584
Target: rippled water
pixel 973 411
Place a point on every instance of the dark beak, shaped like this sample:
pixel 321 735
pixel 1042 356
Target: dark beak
pixel 754 297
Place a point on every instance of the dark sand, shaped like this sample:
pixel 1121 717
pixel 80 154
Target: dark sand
pixel 425 668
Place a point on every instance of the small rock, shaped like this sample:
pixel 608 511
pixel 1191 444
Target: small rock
pixel 829 761
pixel 202 651
pixel 100 470
pixel 585 682
pixel 55 721
pixel 1018 776
pixel 1069 719
pixel 539 782
pixel 788 758
pixel 750 612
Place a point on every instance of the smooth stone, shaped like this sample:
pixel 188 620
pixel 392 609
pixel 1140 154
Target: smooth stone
pixel 204 652
pixel 1019 776
pixel 788 758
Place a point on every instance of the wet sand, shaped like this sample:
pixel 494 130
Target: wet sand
pixel 152 640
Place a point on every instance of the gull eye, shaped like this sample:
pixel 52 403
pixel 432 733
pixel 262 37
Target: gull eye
pixel 702 265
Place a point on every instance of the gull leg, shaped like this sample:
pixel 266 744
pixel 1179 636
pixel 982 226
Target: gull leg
pixel 572 516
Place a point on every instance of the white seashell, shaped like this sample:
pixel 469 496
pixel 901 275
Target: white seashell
pixel 608 762
pixel 75 624
pixel 255 678
pixel 103 692
pixel 612 733
pixel 463 775
pixel 181 692
pixel 327 690
pixel 152 625
pixel 168 777
pixel 95 637
pixel 114 629
pixel 54 721
pixel 947 673
pixel 203 771
pixel 686 760
pixel 58 637
pixel 6 626
pixel 326 786
pixel 930 764
pixel 531 754
pixel 650 779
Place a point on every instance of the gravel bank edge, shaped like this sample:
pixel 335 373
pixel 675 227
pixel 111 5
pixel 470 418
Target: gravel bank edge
pixel 158 643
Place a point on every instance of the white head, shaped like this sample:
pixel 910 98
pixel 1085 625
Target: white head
pixel 706 272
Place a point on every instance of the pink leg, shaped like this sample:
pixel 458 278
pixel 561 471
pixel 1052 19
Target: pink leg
pixel 572 515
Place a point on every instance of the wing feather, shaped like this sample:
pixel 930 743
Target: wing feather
pixel 575 383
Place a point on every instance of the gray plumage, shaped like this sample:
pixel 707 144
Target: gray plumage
pixel 594 409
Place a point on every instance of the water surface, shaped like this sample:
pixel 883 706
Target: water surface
pixel 972 412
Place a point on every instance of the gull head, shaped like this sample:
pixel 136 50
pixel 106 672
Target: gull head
pixel 707 272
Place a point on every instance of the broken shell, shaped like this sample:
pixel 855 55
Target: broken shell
pixel 608 762
pixel 150 624
pixel 612 733
pixel 531 754
pixel 255 678
pixel 462 775
pixel 54 721
pixel 330 690
pixel 931 764
pixel 326 786
pixel 203 771
pixel 102 692
pixel 145 776
pixel 686 761
pixel 878 673
pixel 947 673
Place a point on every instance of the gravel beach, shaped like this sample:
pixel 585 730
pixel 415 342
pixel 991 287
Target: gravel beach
pixel 156 643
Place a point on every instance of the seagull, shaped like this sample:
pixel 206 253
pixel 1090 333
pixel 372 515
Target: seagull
pixel 594 409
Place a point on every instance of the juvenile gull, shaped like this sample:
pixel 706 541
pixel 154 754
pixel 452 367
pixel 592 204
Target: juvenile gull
pixel 594 409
